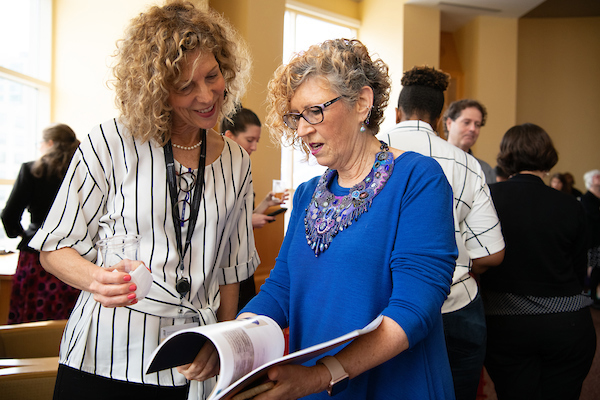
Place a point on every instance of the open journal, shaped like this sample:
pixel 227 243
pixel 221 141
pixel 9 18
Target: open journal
pixel 247 349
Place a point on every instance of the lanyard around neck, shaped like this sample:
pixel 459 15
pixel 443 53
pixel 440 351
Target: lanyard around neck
pixel 195 203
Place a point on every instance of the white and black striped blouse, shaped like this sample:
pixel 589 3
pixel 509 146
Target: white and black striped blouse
pixel 117 185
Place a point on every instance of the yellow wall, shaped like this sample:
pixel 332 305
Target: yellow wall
pixel 421 37
pixel 559 87
pixel 85 35
pixel 347 8
pixel 381 32
pixel 487 49
pixel 84 38
pixel 260 23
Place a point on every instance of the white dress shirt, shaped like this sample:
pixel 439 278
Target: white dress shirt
pixel 476 223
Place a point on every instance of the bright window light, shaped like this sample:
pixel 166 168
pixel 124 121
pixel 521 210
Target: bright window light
pixel 300 32
pixel 25 70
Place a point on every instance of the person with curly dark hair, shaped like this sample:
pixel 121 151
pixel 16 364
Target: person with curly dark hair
pixel 160 171
pixel 477 229
pixel 37 295
pixel 541 338
pixel 340 267
pixel 462 122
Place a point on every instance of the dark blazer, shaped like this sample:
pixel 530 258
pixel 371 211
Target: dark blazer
pixel 591 205
pixel 546 240
pixel 31 193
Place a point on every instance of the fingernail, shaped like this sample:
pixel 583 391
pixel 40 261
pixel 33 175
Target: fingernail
pixel 132 288
pixel 127 278
pixel 134 301
pixel 131 296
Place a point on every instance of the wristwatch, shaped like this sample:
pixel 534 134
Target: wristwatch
pixel 339 376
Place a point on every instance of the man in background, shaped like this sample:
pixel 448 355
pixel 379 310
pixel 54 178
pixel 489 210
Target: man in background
pixel 462 123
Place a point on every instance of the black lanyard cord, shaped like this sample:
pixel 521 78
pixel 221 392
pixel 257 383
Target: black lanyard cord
pixel 195 203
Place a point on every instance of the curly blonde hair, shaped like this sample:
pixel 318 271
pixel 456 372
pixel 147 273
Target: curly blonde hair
pixel 347 66
pixel 150 59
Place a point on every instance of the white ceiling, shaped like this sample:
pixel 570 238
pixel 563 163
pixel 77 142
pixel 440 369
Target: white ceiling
pixel 456 13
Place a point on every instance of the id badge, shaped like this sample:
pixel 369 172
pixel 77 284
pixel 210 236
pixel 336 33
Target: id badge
pixel 167 331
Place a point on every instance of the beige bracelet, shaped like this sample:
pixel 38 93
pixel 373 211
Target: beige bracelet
pixel 339 376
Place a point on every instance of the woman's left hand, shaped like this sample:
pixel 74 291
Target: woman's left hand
pixel 271 201
pixel 274 201
pixel 296 381
pixel 205 365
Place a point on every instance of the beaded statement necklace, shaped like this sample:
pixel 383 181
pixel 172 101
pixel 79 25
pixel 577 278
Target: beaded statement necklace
pixel 328 214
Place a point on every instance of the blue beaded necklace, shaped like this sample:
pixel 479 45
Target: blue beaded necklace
pixel 328 214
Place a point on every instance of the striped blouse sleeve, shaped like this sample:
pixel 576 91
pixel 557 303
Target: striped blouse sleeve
pixel 240 258
pixel 74 217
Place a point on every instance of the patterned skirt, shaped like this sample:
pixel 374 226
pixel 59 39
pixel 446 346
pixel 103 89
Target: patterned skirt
pixel 38 295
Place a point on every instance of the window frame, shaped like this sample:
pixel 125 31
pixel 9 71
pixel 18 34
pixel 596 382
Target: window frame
pixel 43 97
pixel 289 155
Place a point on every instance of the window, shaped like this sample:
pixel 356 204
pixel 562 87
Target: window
pixel 303 27
pixel 25 70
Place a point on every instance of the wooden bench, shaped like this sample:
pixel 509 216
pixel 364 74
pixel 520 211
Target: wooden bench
pixel 31 339
pixel 28 378
pixel 29 359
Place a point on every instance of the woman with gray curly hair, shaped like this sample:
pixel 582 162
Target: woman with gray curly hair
pixel 158 171
pixel 340 266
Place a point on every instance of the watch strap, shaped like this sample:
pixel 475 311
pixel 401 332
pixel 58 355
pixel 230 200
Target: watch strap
pixel 339 376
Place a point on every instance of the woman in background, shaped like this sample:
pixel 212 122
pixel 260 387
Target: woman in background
pixel 244 128
pixel 541 338
pixel 591 204
pixel 557 181
pixel 36 294
pixel 570 186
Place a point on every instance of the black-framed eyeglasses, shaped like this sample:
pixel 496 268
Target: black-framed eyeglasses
pixel 186 182
pixel 313 115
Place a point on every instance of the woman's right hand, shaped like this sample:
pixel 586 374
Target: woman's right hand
pixel 112 287
pixel 204 366
pixel 260 220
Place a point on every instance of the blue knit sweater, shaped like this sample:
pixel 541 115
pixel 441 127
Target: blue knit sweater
pixel 396 260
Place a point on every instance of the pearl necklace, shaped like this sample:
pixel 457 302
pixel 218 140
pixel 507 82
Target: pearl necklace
pixel 187 147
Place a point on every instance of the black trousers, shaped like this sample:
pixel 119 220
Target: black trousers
pixel 541 357
pixel 75 384
pixel 465 333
